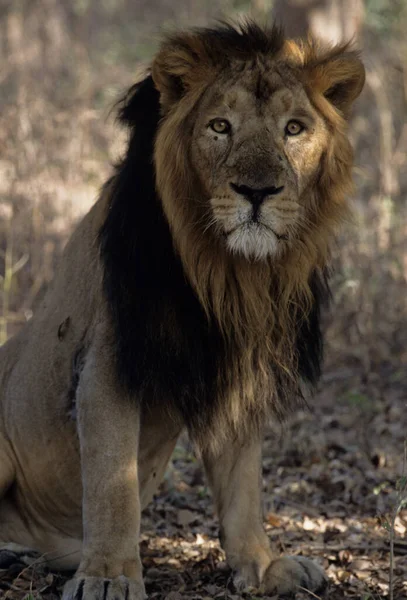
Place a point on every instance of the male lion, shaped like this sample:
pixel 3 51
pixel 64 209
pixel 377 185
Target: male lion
pixel 189 297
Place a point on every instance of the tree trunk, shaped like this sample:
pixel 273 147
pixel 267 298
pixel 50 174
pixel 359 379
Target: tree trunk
pixel 333 21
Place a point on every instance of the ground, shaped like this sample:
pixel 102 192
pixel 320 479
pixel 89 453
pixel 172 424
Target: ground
pixel 332 478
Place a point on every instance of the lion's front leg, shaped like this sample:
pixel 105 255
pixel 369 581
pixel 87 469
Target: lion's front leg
pixel 235 477
pixel 108 426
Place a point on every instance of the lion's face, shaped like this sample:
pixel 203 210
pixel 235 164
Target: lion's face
pixel 256 147
pixel 252 157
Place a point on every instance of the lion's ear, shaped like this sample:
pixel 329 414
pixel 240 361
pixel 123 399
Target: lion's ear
pixel 178 64
pixel 339 76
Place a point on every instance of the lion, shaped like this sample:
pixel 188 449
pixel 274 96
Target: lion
pixel 187 298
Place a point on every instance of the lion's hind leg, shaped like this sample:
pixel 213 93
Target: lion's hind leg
pixel 16 555
pixel 11 553
pixel 13 549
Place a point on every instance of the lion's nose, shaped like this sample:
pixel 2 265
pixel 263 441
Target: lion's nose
pixel 256 195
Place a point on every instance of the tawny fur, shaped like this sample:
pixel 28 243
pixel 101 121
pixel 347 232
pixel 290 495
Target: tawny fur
pixel 85 434
pixel 257 304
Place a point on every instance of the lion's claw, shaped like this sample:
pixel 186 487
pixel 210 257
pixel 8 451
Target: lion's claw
pixel 100 588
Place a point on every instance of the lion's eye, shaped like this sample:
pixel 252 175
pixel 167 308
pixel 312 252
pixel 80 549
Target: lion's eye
pixel 220 126
pixel 294 128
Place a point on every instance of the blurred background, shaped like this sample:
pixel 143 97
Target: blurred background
pixel 63 65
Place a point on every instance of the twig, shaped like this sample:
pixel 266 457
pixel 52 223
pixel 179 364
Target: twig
pixel 350 547
pixel 302 507
pixel 303 589
pixel 399 504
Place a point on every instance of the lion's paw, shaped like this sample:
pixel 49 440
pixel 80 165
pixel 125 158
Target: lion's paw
pixel 100 588
pixel 290 574
pixel 14 554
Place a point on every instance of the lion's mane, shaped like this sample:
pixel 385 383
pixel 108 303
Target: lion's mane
pixel 221 340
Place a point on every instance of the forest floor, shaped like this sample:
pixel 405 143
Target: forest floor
pixel 332 479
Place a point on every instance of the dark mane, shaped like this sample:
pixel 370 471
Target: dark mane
pixel 310 347
pixel 166 350
pixel 241 41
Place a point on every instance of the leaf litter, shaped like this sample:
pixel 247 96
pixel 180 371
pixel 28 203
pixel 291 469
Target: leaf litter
pixel 330 479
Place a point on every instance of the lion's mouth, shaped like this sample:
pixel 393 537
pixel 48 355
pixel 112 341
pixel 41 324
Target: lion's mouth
pixel 250 224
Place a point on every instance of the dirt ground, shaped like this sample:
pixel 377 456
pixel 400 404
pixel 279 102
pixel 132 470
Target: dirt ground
pixel 331 479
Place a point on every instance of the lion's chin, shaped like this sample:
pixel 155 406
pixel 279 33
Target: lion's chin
pixel 255 241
